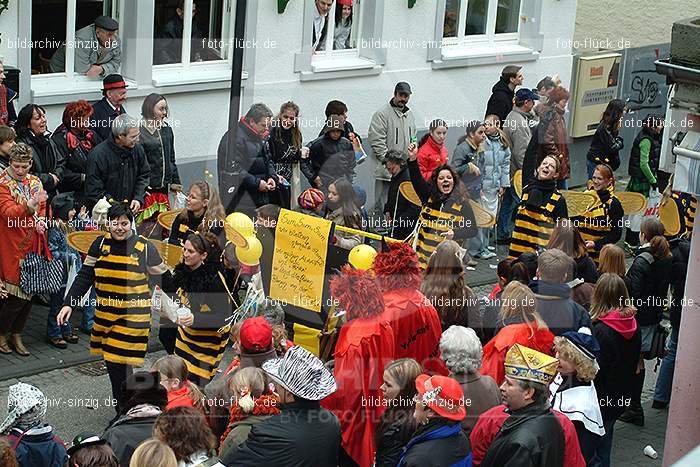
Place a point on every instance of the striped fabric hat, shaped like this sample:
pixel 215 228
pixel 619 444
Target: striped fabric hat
pixel 301 373
pixel 311 199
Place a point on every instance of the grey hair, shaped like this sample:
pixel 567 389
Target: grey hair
pixel 272 311
pixel 461 350
pixel 122 124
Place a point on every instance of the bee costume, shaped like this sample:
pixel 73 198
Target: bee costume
pixel 204 292
pixel 541 206
pixel 602 222
pixel 119 270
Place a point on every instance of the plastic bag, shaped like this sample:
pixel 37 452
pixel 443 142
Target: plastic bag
pixel 652 210
pixel 178 200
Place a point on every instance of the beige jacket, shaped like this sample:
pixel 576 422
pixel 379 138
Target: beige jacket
pixel 390 128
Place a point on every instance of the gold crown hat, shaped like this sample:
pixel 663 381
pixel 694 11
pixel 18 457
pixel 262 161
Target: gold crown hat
pixel 530 365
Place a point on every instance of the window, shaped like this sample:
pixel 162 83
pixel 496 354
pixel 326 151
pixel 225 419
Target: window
pixel 478 32
pixel 340 38
pixel 480 21
pixel 206 23
pixel 60 27
pixel 207 55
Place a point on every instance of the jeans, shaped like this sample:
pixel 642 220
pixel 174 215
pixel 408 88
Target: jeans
pixel 590 167
pixel 662 393
pixel 53 330
pixel 603 449
pixel 479 245
pixel 89 312
pixel 509 202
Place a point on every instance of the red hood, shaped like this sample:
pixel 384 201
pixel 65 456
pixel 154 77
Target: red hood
pixel 625 325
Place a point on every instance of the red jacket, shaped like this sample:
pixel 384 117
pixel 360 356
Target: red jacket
pixel 17 225
pixel 180 398
pixel 364 347
pixel 417 328
pixel 495 350
pixel 490 422
pixel 431 156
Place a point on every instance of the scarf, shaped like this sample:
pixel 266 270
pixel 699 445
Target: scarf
pixel 143 410
pixel 267 404
pixel 262 135
pixel 605 194
pixel 86 140
pixel 538 192
pixel 4 113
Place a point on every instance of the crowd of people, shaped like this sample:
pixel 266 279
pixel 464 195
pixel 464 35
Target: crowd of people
pixel 422 372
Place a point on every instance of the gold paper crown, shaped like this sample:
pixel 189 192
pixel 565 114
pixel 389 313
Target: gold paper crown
pixel 530 365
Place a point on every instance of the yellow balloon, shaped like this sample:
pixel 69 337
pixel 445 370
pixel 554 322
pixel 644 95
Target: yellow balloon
pixel 362 256
pixel 241 223
pixel 250 256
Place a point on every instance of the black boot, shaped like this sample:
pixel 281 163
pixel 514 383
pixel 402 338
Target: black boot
pixel 635 413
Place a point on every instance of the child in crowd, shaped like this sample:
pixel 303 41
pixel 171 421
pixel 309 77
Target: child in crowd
pixel 89 450
pixel 174 378
pixel 7 140
pixel 343 211
pixel 63 217
pixel 432 152
pixel 311 202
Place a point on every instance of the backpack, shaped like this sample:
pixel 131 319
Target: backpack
pixel 657 351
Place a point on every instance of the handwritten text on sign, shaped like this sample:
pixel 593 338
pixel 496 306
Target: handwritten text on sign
pixel 299 260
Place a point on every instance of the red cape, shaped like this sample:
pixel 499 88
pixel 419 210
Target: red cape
pixel 365 346
pixel 417 328
pixel 495 350
pixel 490 422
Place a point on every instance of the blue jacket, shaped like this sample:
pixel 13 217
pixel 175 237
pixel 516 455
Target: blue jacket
pixel 439 443
pixel 495 171
pixel 38 446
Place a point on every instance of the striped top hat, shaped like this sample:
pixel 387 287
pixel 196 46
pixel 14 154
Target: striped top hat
pixel 301 373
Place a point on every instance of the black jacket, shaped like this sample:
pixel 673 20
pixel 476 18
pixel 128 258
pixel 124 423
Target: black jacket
pixel 46 159
pixel 76 161
pixel 680 248
pixel 392 441
pixel 251 162
pixel 329 160
pixel 618 359
pixel 126 434
pixel 647 282
pixel 439 452
pixel 501 100
pixel 347 129
pixel 557 309
pixel 283 151
pixel 116 172
pixel 586 270
pixel 160 153
pixel 530 437
pixel 404 213
pixel 635 169
pixel 102 117
pixel 168 45
pixel 605 147
pixel 302 434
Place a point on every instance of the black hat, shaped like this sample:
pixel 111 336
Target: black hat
pixel 106 23
pixel 61 204
pixel 333 123
pixel 402 87
pixel 85 439
pixel 113 81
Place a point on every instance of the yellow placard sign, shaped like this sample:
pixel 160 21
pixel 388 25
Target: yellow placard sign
pixel 299 260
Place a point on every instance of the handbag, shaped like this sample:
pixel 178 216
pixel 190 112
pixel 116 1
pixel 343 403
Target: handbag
pixel 39 271
pixel 657 350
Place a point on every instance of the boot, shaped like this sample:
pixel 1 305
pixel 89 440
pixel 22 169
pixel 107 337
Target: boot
pixel 18 345
pixel 634 414
pixel 4 348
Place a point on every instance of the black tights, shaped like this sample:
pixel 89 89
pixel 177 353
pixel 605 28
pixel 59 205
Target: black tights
pixel 118 374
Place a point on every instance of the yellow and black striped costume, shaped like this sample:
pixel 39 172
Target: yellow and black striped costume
pixel 202 344
pixel 433 224
pixel 687 205
pixel 602 222
pixel 180 230
pixel 119 271
pixel 534 224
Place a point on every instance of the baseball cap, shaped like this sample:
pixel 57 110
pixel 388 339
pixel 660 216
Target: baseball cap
pixel 525 94
pixel 402 87
pixel 256 335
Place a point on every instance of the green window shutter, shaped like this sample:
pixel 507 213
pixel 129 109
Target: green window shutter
pixel 281 5
pixel 411 3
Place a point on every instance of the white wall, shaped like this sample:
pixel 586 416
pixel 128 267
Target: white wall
pixel 8 28
pixel 633 24
pixel 453 94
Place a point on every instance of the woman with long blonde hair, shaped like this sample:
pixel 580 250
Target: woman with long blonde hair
pixel 443 284
pixel 203 212
pixel 522 324
pixel 612 260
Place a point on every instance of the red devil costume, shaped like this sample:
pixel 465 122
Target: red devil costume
pixel 365 346
pixel 415 321
pixel 490 422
